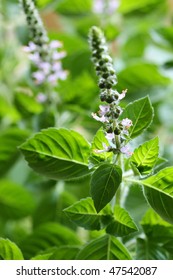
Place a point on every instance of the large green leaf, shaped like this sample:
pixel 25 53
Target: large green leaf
pixel 83 213
pixel 158 190
pixel 146 155
pixel 58 153
pixel 65 253
pixel 9 140
pixel 141 114
pixel 104 248
pixel 104 183
pixel 15 201
pixel 46 236
pixel 9 250
pixel 122 224
pixel 156 228
pixel 147 250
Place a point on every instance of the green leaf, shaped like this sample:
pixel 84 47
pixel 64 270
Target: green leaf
pixel 15 201
pixel 83 213
pixel 158 190
pixel 134 195
pixel 46 236
pixel 156 228
pixel 141 114
pixel 9 140
pixel 147 250
pixel 140 77
pixel 129 6
pixel 74 7
pixel 7 111
pixel 122 224
pixel 27 103
pixel 65 253
pixel 58 153
pixel 96 145
pixel 104 183
pixel 168 246
pixel 51 205
pixel 146 155
pixel 104 248
pixel 73 87
pixel 9 250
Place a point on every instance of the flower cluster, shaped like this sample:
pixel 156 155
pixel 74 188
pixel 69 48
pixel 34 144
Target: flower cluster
pixel 44 54
pixel 105 6
pixel 116 131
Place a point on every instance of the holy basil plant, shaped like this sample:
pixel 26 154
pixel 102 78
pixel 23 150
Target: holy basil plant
pixel 114 167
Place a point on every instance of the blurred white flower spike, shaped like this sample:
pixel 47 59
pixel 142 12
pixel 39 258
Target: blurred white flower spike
pixel 105 6
pixel 45 55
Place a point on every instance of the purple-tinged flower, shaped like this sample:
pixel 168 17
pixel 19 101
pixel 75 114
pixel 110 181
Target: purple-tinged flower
pixel 105 6
pixel 45 66
pixel 110 136
pixel 58 55
pixel 102 119
pixel 62 75
pixel 126 123
pixel 39 77
pixel 41 97
pixel 54 44
pixel 104 109
pixel 35 57
pixel 126 150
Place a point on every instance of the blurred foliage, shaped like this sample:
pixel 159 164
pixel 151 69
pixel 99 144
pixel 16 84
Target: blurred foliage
pixel 140 37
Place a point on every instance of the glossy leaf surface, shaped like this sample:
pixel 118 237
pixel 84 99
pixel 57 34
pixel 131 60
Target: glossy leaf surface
pixel 122 223
pixel 57 153
pixel 9 250
pixel 158 190
pixel 84 214
pixel 46 236
pixel 147 250
pixel 141 114
pixel 104 248
pixel 146 155
pixel 104 183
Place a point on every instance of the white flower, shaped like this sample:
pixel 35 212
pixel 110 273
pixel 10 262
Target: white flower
pixel 110 136
pixel 56 66
pixel 126 123
pixel 105 6
pixel 123 94
pixel 126 150
pixel 104 109
pixel 54 44
pixel 45 66
pixel 58 55
pixel 30 48
pixel 39 76
pixel 41 98
pixel 49 68
pixel 35 57
pixel 102 119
